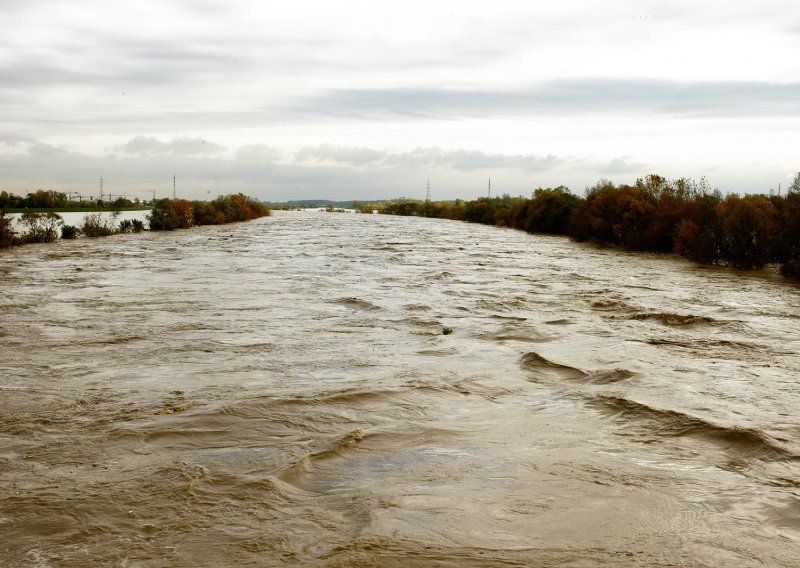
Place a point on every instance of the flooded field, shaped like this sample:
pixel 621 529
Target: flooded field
pixel 287 392
pixel 78 218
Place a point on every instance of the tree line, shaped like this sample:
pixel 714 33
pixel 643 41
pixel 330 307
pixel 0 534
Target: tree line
pixel 171 214
pixel 42 199
pixel 653 214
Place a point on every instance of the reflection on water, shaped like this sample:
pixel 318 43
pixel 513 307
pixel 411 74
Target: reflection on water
pixel 281 393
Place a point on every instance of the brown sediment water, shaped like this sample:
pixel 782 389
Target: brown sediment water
pixel 281 393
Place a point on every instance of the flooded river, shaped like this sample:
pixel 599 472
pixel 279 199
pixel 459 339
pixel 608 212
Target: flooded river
pixel 283 393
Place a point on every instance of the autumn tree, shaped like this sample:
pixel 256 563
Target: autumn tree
pixel 162 217
pixel 748 225
pixel 182 210
pixel 790 234
pixel 699 235
pixel 204 213
pixel 548 211
pixel 42 199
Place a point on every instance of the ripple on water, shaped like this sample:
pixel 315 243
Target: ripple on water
pixel 281 393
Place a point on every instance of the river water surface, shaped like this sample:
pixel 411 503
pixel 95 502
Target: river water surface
pixel 281 392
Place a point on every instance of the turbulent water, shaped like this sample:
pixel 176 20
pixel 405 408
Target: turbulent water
pixel 282 392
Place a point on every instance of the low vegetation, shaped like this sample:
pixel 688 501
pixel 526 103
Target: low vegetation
pixel 95 225
pixel 7 233
pixel 70 232
pixel 39 227
pixel 166 215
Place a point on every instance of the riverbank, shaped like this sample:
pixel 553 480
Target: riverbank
pixel 165 215
pixel 651 215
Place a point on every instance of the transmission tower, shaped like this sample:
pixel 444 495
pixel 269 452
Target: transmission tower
pixel 490 188
pixel 428 194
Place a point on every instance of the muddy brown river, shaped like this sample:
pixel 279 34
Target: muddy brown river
pixel 283 393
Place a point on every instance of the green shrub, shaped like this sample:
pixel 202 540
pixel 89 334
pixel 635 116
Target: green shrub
pixel 7 233
pixel 205 213
pixel 791 268
pixel 95 226
pixel 163 217
pixel 70 232
pixel 137 226
pixel 125 226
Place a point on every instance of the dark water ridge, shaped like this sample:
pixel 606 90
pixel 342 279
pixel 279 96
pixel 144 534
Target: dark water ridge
pixel 281 393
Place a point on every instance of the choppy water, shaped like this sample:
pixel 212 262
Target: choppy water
pixel 281 393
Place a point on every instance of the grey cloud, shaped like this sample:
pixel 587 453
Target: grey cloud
pixel 31 75
pixel 430 157
pixel 183 146
pixel 568 97
pixel 194 57
pixel 142 145
pixel 169 54
pixel 417 158
pixel 623 165
pixel 93 58
pixel 27 74
pixel 343 155
pixel 12 139
pixel 42 150
pixel 193 146
pixel 259 153
pixel 473 160
pixel 116 115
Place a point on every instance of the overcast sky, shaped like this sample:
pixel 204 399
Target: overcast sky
pixel 368 99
